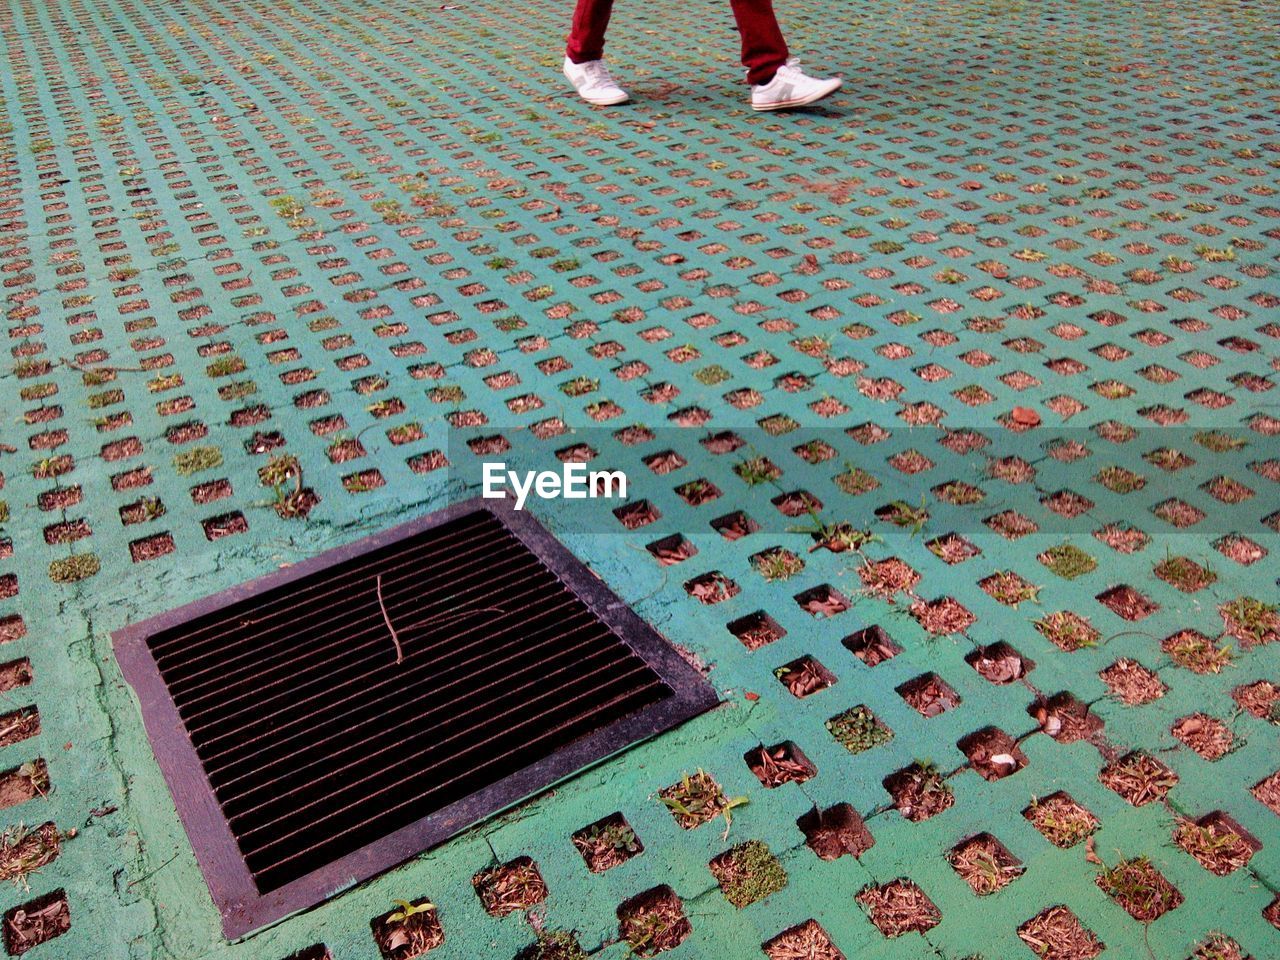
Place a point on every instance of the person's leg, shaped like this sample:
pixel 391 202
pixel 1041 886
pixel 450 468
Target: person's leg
pixel 777 82
pixel 764 49
pixel 584 64
pixel 586 36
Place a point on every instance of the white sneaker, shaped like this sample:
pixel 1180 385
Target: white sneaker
pixel 593 83
pixel 790 87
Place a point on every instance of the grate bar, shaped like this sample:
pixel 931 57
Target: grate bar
pixel 629 697
pixel 216 661
pixel 345 769
pixel 258 695
pixel 336 581
pixel 317 632
pixel 620 705
pixel 278 736
pixel 408 711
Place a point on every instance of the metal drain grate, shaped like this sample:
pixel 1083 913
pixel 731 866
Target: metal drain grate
pixel 324 723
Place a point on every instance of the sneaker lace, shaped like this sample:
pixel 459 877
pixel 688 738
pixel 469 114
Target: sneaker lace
pixel 792 66
pixel 598 73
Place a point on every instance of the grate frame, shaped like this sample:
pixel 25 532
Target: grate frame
pixel 243 908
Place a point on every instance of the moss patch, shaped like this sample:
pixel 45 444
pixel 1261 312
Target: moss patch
pixel 858 729
pixel 1067 561
pixel 748 872
pixel 197 459
pixel 80 566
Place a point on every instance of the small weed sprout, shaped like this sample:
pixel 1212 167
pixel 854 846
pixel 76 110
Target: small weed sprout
pixel 408 910
pixel 902 514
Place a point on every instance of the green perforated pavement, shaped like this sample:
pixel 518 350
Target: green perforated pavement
pixel 1019 277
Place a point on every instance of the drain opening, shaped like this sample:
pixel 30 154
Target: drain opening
pixel 323 724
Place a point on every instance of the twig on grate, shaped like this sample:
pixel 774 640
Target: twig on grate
pixel 438 618
pixel 386 617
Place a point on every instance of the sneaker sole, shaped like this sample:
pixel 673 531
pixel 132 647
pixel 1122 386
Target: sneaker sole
pixel 606 102
pixel 799 102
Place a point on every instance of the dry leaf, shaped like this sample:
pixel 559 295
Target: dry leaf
pixel 1090 852
pixel 1026 417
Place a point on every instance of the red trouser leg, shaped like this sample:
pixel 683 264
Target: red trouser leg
pixel 586 37
pixel 764 49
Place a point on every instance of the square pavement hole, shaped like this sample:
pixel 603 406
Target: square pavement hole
pixel 1208 736
pixel 1061 820
pixel 667 461
pixel 1217 842
pixel 919 791
pixel 726 441
pixel 756 630
pixel 1131 683
pixel 858 729
pixel 992 753
pixel 822 601
pixel 1219 947
pixel 984 863
pixel 436 659
pixel 694 799
pixel 697 492
pixel 776 563
pixel 671 550
pixel 1127 603
pixel 805 941
pixel 835 831
pixel 734 526
pixel 18 725
pixel 12 627
pixel 23 783
pixel 224 525
pixel 804 676
pixel 712 588
pixel 149 548
pixel 15 674
pixel 653 922
pixel 1267 792
pixel 405 934
pixel 872 645
pixel 1065 718
pixel 1271 912
pixel 1139 778
pixel 797 503
pixel 1140 889
pixel 952 548
pixel 929 695
pixel 638 514
pixel 999 663
pixel 899 907
pixel 747 873
pixel 1057 934
pixel 607 843
pixel 36 922
pixel 782 763
pixel 553 945
pixel 510 887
